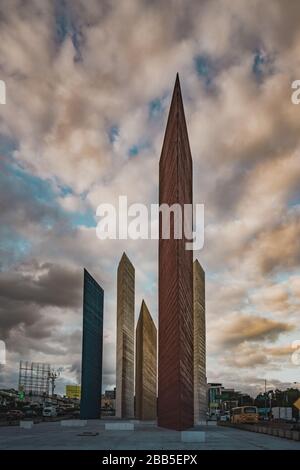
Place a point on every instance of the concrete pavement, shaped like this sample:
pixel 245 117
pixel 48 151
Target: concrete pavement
pixel 146 436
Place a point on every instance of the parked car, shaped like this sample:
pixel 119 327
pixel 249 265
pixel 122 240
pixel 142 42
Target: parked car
pixel 49 412
pixel 61 412
pixel 13 415
pixel 30 414
pixel 225 418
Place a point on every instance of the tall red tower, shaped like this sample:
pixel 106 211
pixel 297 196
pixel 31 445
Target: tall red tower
pixel 175 357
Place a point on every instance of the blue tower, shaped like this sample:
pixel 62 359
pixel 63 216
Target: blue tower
pixel 92 348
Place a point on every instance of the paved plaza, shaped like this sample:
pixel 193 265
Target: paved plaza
pixel 146 436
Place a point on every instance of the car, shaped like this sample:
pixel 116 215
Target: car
pixel 14 415
pixel 61 412
pixel 224 418
pixel 49 412
pixel 30 414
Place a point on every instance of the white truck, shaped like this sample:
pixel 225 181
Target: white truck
pixel 282 412
pixel 49 412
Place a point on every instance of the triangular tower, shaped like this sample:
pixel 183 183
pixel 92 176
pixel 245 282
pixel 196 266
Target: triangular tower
pixel 175 359
pixel 146 366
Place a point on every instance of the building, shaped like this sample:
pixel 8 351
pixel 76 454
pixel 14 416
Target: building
pixel 92 348
pixel 200 398
pixel 176 330
pixel 221 399
pixel 229 399
pixel 146 366
pixel 9 398
pixel 108 403
pixel 73 392
pixel 125 339
pixel 110 394
pixel 214 391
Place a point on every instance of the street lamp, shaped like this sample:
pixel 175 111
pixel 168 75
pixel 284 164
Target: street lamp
pixel 270 403
pixel 266 398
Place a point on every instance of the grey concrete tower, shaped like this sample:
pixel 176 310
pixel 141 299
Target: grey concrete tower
pixel 146 366
pixel 125 339
pixel 200 400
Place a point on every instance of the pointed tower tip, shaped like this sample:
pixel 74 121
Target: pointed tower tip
pixel 145 312
pixel 176 112
pixel 198 265
pixel 86 272
pixel 177 81
pixel 125 261
pixel 175 96
pixel 124 256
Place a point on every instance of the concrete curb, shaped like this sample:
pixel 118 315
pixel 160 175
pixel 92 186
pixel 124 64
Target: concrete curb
pixel 74 422
pixel 119 426
pixel 26 424
pixel 276 432
pixel 192 436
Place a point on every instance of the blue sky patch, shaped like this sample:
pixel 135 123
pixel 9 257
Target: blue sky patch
pixel 65 26
pixel 262 66
pixel 86 219
pixel 113 134
pixel 13 247
pixel 204 69
pixel 135 150
pixel 258 62
pixel 155 107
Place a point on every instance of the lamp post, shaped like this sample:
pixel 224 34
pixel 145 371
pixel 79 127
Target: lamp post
pixel 270 403
pixel 296 383
pixel 266 399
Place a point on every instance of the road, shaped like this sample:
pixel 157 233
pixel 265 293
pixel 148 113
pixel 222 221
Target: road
pixel 146 436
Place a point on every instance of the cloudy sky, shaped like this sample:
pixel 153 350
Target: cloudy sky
pixel 88 89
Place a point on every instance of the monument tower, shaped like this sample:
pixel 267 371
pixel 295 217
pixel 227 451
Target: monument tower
pixel 176 333
pixel 146 366
pixel 125 339
pixel 200 400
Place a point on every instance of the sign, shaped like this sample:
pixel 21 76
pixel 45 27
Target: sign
pixel 214 405
pixel 2 92
pixel 225 396
pixel 297 404
pixel 2 353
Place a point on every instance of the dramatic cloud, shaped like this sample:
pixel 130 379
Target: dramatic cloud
pixel 88 89
pixel 45 284
pixel 251 328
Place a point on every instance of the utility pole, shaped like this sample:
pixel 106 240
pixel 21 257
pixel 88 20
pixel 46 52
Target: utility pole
pixel 53 375
pixel 266 414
